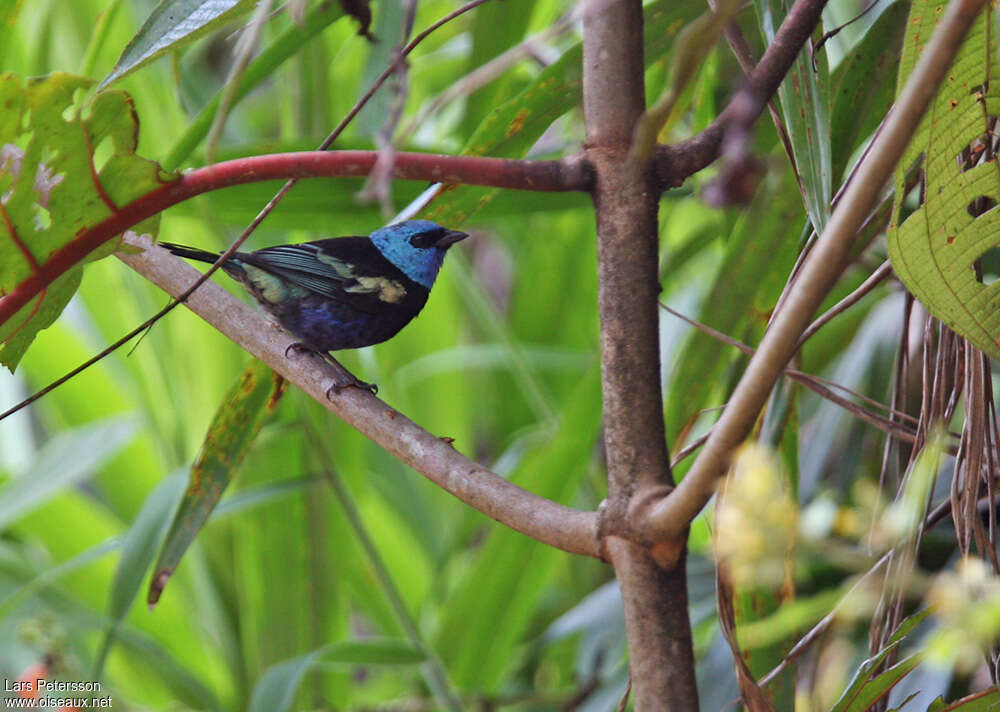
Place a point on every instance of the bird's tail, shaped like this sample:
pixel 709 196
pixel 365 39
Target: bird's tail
pixel 191 253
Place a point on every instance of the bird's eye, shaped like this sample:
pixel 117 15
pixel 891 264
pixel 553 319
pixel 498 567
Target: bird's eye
pixel 426 239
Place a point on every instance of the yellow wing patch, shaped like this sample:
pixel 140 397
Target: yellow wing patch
pixel 389 290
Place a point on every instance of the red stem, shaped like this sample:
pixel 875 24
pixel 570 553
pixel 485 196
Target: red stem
pixel 568 175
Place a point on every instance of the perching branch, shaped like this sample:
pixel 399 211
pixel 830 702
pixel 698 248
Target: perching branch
pixel 546 521
pixel 565 175
pixel 670 516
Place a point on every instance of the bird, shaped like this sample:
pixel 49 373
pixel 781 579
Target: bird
pixel 342 292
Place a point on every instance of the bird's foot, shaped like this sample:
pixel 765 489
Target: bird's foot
pixel 299 348
pixel 346 379
pixel 351 382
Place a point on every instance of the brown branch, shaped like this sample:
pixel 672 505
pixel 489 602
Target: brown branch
pixel 566 175
pixel 874 279
pixel 817 385
pixel 744 57
pixel 670 516
pixel 546 521
pixel 654 590
pixel 675 163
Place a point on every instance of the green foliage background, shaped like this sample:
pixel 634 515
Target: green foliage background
pixel 503 359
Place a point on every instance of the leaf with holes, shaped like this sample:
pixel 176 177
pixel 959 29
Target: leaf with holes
pixel 937 249
pixel 65 165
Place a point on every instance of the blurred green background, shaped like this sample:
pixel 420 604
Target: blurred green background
pixel 504 359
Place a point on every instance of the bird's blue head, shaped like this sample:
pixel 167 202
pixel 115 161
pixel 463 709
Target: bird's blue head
pixel 417 247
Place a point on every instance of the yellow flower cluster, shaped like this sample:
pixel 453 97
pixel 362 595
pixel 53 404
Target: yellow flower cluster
pixel 966 603
pixel 756 520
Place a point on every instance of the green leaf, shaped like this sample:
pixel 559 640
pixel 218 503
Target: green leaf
pixel 864 84
pixel 984 701
pixel 275 690
pixel 288 43
pixel 803 96
pixel 934 249
pixel 54 188
pixel 880 686
pixel 185 686
pixel 141 541
pixel 69 458
pixel 236 423
pixel 54 574
pixel 866 689
pixel 496 27
pixel 759 254
pixel 389 31
pixel 171 25
pixel 138 549
pixel 245 501
pixel 9 10
pixel 485 618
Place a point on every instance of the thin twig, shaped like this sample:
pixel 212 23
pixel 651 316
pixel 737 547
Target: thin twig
pixel 876 278
pixel 821 386
pixel 817 630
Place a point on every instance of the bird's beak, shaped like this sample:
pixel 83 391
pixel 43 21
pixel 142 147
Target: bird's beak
pixel 450 238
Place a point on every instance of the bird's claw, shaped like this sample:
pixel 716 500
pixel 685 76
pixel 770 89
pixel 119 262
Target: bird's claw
pixel 351 382
pixel 299 347
pixel 346 380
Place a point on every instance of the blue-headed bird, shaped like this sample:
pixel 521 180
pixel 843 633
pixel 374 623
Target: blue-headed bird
pixel 343 292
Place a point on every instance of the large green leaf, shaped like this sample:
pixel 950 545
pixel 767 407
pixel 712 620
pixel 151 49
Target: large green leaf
pixel 65 461
pixel 805 109
pixel 252 399
pixel 864 84
pixel 496 27
pixel 171 25
pixel 55 186
pixel 489 612
pixel 934 250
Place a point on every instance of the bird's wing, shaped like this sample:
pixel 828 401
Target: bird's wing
pixel 349 270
